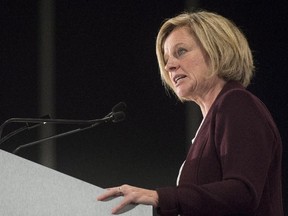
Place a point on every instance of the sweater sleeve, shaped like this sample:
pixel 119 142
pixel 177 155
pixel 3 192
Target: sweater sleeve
pixel 245 144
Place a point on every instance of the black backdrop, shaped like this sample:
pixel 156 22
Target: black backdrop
pixel 105 53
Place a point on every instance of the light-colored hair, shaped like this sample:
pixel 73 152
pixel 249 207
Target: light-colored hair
pixel 226 46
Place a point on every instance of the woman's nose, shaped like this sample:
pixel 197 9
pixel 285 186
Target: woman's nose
pixel 171 65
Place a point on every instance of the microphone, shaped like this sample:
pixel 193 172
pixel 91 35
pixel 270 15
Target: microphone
pixel 120 107
pixel 118 116
pixel 115 116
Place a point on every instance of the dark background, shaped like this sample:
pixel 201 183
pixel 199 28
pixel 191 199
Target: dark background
pixel 105 53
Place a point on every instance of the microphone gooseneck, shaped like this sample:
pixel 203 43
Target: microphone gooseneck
pixel 115 116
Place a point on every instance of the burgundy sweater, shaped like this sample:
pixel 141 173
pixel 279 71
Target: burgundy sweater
pixel 234 164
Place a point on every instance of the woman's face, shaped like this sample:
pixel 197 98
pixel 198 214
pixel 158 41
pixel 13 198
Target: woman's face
pixel 187 64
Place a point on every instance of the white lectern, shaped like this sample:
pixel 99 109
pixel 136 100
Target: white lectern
pixel 28 189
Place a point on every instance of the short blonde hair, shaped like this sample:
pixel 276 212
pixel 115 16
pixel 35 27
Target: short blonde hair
pixel 226 46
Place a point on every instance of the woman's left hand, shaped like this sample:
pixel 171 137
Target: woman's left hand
pixel 132 195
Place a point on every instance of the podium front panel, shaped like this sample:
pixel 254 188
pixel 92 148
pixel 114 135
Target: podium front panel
pixel 28 188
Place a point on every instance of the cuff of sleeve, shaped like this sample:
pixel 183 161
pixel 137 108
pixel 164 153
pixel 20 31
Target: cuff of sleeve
pixel 168 202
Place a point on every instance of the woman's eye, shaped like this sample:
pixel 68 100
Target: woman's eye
pixel 181 51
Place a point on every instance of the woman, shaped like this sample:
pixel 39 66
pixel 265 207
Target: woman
pixel 233 166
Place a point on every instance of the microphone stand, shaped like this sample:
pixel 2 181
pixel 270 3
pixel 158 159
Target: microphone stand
pixel 19 130
pixel 120 107
pixel 54 137
pixel 116 115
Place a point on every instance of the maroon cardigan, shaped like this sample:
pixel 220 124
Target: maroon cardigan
pixel 234 165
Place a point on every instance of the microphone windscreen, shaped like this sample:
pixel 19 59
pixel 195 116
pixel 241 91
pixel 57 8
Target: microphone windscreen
pixel 121 106
pixel 118 116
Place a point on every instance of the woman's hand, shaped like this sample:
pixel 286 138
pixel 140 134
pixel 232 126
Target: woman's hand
pixel 132 195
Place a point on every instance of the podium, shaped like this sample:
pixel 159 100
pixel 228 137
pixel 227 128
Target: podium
pixel 30 189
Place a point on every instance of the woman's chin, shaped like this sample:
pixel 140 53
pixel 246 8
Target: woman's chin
pixel 183 94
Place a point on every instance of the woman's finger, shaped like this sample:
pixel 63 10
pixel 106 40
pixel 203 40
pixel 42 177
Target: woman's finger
pixel 111 192
pixel 126 201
